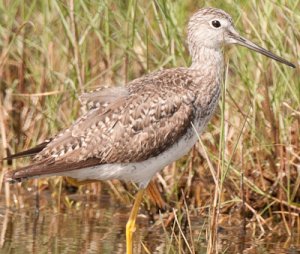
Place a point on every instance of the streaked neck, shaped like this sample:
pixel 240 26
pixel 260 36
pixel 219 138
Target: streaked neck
pixel 207 59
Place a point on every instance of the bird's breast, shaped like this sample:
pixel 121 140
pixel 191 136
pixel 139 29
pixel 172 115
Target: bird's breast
pixel 205 105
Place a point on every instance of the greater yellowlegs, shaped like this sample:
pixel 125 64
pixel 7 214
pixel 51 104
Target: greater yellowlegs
pixel 132 132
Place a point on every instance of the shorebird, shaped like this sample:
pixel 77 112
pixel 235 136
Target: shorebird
pixel 132 132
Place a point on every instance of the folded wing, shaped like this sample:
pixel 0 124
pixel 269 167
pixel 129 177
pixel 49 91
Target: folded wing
pixel 133 127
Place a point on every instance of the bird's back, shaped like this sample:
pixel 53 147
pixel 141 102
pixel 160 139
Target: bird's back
pixel 135 123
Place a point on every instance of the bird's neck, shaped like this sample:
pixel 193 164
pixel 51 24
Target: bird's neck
pixel 207 60
pixel 207 64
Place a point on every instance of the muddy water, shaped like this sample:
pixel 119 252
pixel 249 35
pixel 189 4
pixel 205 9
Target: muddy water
pixel 96 228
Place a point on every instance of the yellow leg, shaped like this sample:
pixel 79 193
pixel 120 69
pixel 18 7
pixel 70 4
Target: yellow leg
pixel 130 226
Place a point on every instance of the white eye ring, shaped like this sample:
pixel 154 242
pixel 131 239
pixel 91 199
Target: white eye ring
pixel 215 23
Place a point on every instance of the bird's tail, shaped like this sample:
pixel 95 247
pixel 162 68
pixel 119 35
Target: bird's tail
pixel 34 170
pixel 29 152
pixel 28 171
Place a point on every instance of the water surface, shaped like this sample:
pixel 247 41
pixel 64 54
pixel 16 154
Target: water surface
pixel 98 226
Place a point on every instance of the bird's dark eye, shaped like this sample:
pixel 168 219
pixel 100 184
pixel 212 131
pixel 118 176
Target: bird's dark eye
pixel 216 23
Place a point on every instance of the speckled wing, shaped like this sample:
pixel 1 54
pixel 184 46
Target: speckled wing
pixel 101 97
pixel 149 118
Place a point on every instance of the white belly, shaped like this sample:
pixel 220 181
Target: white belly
pixel 139 172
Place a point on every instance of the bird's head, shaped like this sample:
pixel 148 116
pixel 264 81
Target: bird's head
pixel 213 28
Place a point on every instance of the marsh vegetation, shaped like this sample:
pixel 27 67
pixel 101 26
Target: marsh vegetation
pixel 244 173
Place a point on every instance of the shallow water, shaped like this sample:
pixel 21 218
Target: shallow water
pixel 96 228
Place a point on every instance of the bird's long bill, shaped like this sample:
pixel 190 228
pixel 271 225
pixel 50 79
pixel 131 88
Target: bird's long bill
pixel 246 43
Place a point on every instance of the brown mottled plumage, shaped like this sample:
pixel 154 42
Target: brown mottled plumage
pixel 134 124
pixel 149 118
